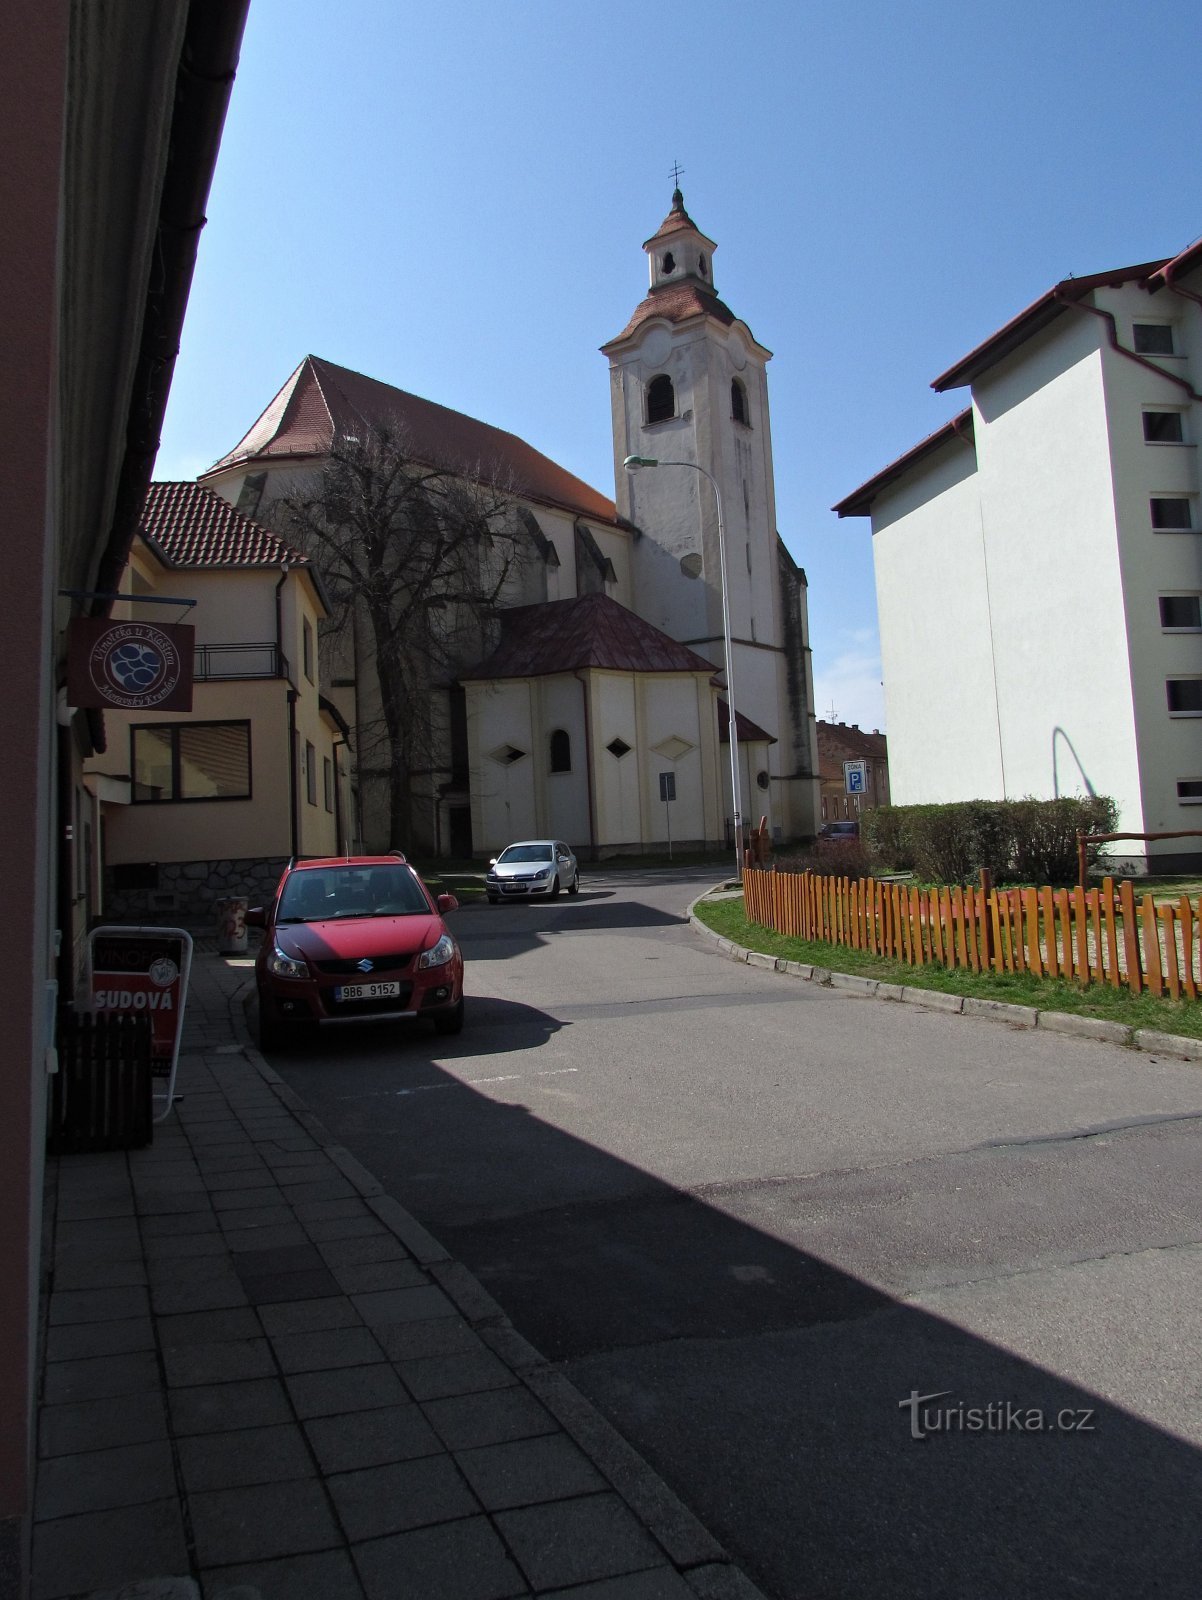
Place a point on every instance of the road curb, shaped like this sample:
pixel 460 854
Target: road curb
pixel 704 1564
pixel 1148 1040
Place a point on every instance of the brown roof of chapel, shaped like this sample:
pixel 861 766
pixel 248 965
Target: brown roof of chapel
pixel 321 401
pixel 572 635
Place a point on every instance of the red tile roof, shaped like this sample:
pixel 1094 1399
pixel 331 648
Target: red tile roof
pixel 749 732
pixel 190 526
pixel 590 631
pixel 321 401
pixel 676 221
pixel 676 302
pixel 859 502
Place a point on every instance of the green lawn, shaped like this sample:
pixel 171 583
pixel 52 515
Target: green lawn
pixel 727 918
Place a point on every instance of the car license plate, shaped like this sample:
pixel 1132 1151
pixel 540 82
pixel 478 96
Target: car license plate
pixel 367 991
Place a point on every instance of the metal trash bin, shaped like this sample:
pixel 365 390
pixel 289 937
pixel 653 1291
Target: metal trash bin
pixel 232 938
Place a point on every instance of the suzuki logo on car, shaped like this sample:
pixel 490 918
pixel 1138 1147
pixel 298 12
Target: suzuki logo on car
pixel 365 965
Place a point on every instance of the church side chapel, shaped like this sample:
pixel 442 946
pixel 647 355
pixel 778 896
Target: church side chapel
pixel 586 699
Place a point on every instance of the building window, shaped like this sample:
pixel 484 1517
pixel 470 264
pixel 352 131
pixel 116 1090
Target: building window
pixel 307 648
pixel 175 761
pixel 669 261
pixel 251 493
pixel 1181 613
pixel 506 754
pixel 1171 513
pixel 1154 338
pixel 738 402
pixel 701 266
pixel 1189 791
pixel 1185 697
pixel 310 774
pixel 561 751
pixel 661 399
pixel 1163 427
pixel 327 779
pixel 618 748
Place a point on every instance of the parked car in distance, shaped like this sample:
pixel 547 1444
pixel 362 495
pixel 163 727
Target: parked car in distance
pixel 846 832
pixel 532 866
pixel 350 938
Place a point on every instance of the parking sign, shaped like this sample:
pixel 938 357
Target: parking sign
pixel 855 777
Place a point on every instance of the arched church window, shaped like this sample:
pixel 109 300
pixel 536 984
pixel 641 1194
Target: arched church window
pixel 701 265
pixel 561 750
pixel 661 399
pixel 669 261
pixel 738 402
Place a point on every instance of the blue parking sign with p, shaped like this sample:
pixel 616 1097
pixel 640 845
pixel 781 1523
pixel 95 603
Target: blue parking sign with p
pixel 855 776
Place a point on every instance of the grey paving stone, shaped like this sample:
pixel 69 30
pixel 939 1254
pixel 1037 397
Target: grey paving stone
pixel 258 1176
pixel 224 1361
pixel 96 1424
pixel 216 1166
pixel 99 1480
pixel 342 1228
pixel 326 1348
pixel 215 1293
pixel 441 1336
pixel 225 1200
pixel 402 1305
pixel 208 1327
pixel 307 1168
pixel 372 1438
pixel 318 1189
pixel 82 1208
pixel 308 1316
pixel 378 1245
pixel 176 1227
pixel 255 1217
pixel 324 1394
pixel 281 1160
pixel 92 1274
pixel 270 1288
pixel 97 1305
pixel 279 1236
pixel 574 1541
pixel 104 1549
pixel 400 1495
pixel 366 1277
pixel 439 1376
pixel 453 1561
pixel 661 1583
pixel 286 1258
pixel 329 1575
pixel 137 1372
pixel 245 1456
pixel 258 1522
pixel 173 1202
pixel 80 1340
pixel 219 1407
pixel 529 1471
pixel 467 1421
pixel 325 1210
pixel 191 1247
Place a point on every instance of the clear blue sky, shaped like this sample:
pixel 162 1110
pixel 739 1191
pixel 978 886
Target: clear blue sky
pixel 453 197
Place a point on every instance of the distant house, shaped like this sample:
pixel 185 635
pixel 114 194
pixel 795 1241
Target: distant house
pixel 839 742
pixel 1039 562
pixel 194 806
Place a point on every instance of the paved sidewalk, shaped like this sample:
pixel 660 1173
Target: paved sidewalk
pixel 262 1377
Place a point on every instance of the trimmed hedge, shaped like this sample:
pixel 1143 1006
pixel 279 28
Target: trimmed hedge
pixel 1020 841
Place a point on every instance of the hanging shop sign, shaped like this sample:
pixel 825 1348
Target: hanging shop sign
pixel 131 666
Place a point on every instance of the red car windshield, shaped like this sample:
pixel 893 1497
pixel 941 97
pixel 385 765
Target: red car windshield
pixel 321 895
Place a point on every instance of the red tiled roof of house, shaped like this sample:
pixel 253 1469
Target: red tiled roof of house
pixel 190 526
pixel 321 401
pixel 589 631
pixel 749 732
pixel 676 302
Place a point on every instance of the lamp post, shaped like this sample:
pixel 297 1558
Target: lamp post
pixel 634 464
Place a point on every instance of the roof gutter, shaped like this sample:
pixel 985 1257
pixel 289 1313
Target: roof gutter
pixel 205 77
pixel 1112 337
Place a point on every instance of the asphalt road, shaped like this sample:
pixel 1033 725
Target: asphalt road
pixel 752 1217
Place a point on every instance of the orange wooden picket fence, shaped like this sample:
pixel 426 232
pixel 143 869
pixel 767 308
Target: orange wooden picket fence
pixel 1094 936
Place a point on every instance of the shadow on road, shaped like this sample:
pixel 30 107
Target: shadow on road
pixel 767 1385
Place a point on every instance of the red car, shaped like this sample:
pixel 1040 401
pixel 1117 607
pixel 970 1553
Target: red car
pixel 355 937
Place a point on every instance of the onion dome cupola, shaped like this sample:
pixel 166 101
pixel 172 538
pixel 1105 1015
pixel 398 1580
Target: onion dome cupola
pixel 678 251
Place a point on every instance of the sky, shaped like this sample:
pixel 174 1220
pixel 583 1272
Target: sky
pixel 453 198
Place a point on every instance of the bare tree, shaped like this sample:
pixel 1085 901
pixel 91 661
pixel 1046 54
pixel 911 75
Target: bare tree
pixel 417 560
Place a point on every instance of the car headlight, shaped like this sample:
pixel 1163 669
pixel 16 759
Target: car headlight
pixel 491 875
pixel 546 872
pixel 285 966
pixel 438 955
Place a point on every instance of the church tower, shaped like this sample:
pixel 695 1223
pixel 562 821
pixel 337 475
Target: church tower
pixel 689 384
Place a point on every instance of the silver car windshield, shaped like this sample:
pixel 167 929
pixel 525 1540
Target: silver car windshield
pixel 526 852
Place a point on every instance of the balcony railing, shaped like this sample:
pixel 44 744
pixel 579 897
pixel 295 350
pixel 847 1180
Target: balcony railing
pixel 239 661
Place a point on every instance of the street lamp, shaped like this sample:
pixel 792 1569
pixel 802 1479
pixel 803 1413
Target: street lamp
pixel 633 464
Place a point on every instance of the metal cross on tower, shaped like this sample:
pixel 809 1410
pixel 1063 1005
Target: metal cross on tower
pixel 677 169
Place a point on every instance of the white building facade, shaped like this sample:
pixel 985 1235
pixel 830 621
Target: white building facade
pixel 1039 564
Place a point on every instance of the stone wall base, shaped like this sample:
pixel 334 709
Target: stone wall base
pixel 187 892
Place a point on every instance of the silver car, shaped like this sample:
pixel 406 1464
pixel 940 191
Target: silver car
pixel 533 866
